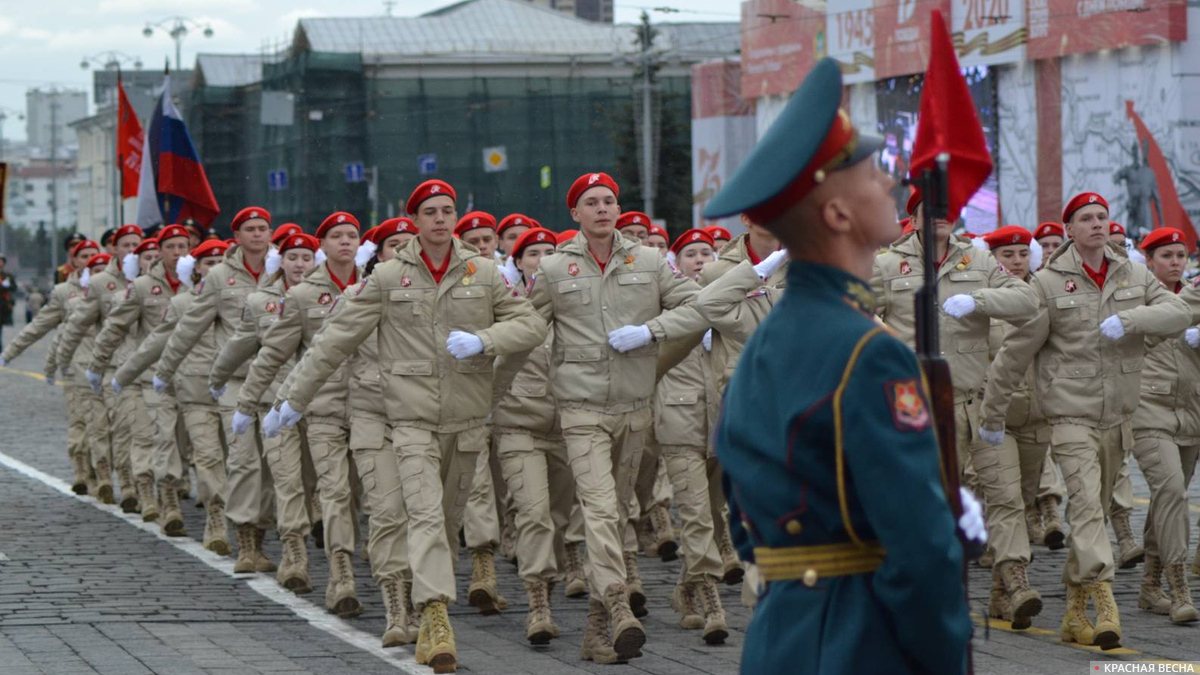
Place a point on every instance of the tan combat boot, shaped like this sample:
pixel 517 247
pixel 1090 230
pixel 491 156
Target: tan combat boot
pixel 1052 525
pixel 245 557
pixel 293 569
pixel 216 533
pixel 628 636
pixel 396 632
pixel 715 630
pixel 172 518
pixel 412 616
pixel 79 482
pixel 1026 603
pixel 645 537
pixel 93 488
pixel 1129 552
pixel 664 533
pixel 1108 622
pixel 1196 562
pixel 1150 596
pixel 261 562
pixel 734 572
pixel 539 624
pixel 988 559
pixel 440 652
pixel 999 605
pixel 482 593
pixel 597 645
pixel 684 601
pixel 1182 609
pixel 345 595
pixel 576 584
pixel 149 504
pixel 1076 626
pixel 1033 525
pixel 633 582
pixel 104 489
pixel 129 500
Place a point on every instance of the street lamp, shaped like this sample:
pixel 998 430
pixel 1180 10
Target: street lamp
pixel 177 27
pixel 110 60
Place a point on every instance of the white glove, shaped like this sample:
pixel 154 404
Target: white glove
pixel 218 393
pixel 1192 335
pixel 707 340
pixel 991 437
pixel 160 385
pixel 771 264
pixel 626 338
pixel 94 379
pixel 241 422
pixel 116 386
pixel 271 424
pixel 971 521
pixel 463 345
pixel 959 305
pixel 1112 329
pixel 287 416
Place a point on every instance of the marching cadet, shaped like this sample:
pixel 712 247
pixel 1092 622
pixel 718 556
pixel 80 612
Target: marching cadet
pixel 107 240
pixel 304 312
pixel 657 237
pixel 288 456
pixel 249 496
pixel 721 236
pixel 1166 436
pixel 478 229
pixel 443 313
pixel 685 409
pixel 1116 233
pixel 64 270
pixel 63 297
pixel 634 224
pixel 1094 307
pixel 129 324
pixel 147 254
pixel 606 296
pixel 825 407
pixel 1049 236
pixel 511 228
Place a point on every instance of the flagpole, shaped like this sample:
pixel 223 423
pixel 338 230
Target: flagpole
pixel 120 210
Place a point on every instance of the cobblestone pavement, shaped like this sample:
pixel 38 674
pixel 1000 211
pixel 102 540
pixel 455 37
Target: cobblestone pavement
pixel 85 590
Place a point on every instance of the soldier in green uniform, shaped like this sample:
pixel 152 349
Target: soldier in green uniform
pixel 826 435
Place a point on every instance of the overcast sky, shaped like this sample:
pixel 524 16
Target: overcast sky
pixel 43 41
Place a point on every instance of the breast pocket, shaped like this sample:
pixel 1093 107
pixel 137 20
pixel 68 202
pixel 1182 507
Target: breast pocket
pixel 966 281
pixel 232 301
pixel 469 307
pixel 406 307
pixel 314 317
pixel 1073 313
pixel 903 285
pixel 573 297
pixel 1127 298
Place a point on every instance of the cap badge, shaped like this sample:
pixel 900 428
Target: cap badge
pixel 433 190
pixel 1092 199
pixel 1016 238
pixel 637 219
pixel 593 178
pixel 474 221
pixel 696 237
pixel 254 214
pixel 341 218
pixel 541 236
pixel 1175 236
pixel 517 221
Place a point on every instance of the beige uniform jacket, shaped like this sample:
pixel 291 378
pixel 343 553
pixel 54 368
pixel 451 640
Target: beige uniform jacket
pixel 135 316
pixel 1023 409
pixel 966 270
pixel 735 304
pixel 424 385
pixel 523 399
pixel 685 402
pixel 222 296
pixel 150 350
pixel 305 308
pixel 62 297
pixel 262 310
pixel 585 304
pixel 191 379
pixel 105 290
pixel 1082 377
pixel 1170 402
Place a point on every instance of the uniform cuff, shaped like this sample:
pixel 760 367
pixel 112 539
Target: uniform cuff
pixel 656 330
pixel 489 347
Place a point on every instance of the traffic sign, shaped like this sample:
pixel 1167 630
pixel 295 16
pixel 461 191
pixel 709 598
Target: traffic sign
pixel 277 180
pixel 427 164
pixel 355 173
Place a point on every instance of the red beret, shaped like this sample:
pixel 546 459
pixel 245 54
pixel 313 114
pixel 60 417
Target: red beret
pixel 1163 236
pixel 249 213
pixel 633 218
pixel 128 229
pixel 906 226
pixel 333 220
pixel 211 247
pixel 914 198
pixel 588 181
pixel 1081 200
pixel 516 220
pixel 1007 236
pixel 718 232
pixel 284 231
pixel 534 235
pixel 299 240
pixel 473 221
pixel 565 236
pixel 430 188
pixel 392 226
pixel 1115 228
pixel 366 236
pixel 969 235
pixel 691 237
pixel 659 231
pixel 98 260
pixel 147 245
pixel 86 243
pixel 170 232
pixel 1049 230
pixel 228 242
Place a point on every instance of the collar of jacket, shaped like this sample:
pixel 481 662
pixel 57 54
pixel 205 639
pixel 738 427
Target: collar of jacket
pixel 736 250
pixel 236 260
pixel 578 245
pixel 319 276
pixel 157 271
pixel 910 245
pixel 1066 259
pixel 460 251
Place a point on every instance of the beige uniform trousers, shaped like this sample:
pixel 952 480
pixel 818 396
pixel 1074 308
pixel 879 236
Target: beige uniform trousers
pixel 203 424
pixel 120 425
pixel 132 403
pixel 249 488
pixel 1168 469
pixel 993 472
pixel 436 471
pixel 1050 484
pixel 286 455
pixel 574 534
pixel 76 423
pixel 605 451
pixel 966 432
pixel 481 516
pixel 337 478
pixel 98 428
pixel 379 472
pixel 164 410
pixel 696 478
pixel 1090 459
pixel 1122 493
pixel 1039 478
pixel 539 480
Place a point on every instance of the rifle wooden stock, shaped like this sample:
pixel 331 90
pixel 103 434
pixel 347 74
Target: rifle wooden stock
pixel 941 401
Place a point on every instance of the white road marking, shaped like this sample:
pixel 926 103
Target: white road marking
pixel 264 585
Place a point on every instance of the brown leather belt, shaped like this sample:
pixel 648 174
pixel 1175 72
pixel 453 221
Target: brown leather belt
pixel 812 563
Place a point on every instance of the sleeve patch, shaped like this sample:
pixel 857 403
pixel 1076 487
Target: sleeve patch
pixel 910 412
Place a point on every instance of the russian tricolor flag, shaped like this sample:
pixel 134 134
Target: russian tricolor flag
pixel 172 186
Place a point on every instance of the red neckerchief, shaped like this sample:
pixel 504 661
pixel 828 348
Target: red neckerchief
pixel 944 256
pixel 437 272
pixel 353 277
pixel 1097 277
pixel 1178 287
pixel 252 272
pixel 754 260
pixel 173 284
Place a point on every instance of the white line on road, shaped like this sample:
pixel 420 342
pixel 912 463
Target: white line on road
pixel 265 586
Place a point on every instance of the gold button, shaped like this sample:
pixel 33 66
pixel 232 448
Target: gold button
pixel 810 578
pixel 793 527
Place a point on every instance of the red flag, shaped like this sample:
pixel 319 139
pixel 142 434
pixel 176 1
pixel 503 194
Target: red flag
pixel 1170 212
pixel 948 123
pixel 129 144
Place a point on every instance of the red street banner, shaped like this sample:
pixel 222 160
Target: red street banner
pixel 902 35
pixel 1061 27
pixel 129 144
pixel 781 40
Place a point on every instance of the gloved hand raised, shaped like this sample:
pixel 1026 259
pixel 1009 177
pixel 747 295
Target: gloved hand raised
pixel 627 338
pixel 771 264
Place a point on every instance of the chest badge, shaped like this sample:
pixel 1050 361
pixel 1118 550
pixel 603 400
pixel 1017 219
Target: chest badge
pixel 156 290
pixel 962 264
pixel 272 306
pixel 573 269
pixel 629 261
pixel 231 281
pixel 405 282
pixel 1071 286
pixel 112 286
pixel 905 268
pixel 324 299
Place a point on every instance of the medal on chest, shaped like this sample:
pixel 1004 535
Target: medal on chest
pixel 324 299
pixel 905 268
pixel 1071 285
